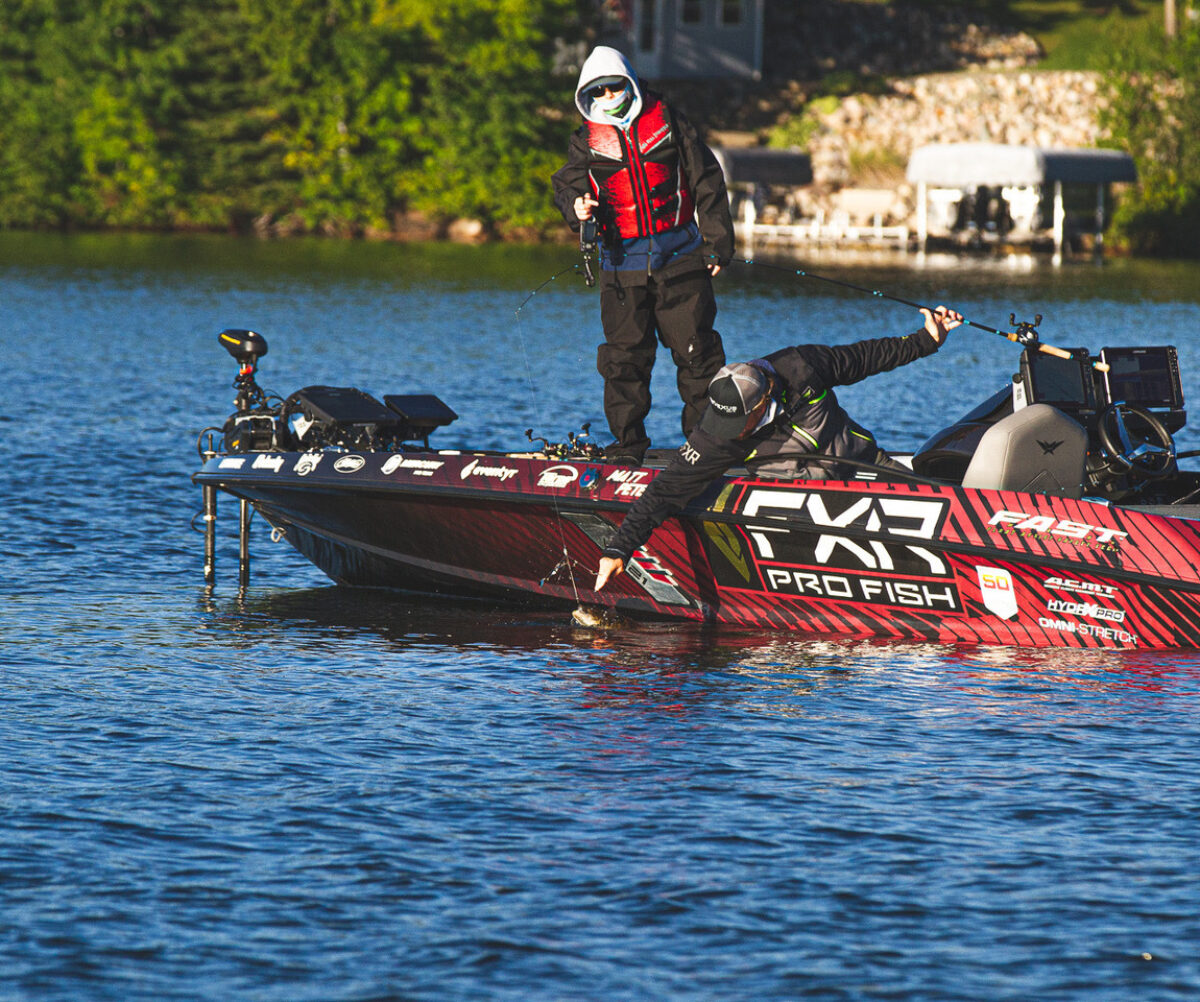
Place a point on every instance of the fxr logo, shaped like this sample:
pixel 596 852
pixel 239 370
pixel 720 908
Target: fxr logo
pixel 893 516
pixel 905 517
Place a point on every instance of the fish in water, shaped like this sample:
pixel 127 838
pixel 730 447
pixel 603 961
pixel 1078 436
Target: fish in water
pixel 596 617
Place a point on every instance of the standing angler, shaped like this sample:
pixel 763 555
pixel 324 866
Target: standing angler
pixel 639 168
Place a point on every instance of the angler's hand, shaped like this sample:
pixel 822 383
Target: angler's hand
pixel 941 321
pixel 609 567
pixel 584 205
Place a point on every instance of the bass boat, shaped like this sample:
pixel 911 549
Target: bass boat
pixel 1055 513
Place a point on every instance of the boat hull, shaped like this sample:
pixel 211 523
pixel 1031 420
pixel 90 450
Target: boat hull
pixel 900 561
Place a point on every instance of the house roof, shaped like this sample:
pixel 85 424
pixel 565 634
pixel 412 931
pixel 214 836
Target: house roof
pixel 968 165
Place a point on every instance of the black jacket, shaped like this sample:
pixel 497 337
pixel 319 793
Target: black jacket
pixel 810 420
pixel 701 172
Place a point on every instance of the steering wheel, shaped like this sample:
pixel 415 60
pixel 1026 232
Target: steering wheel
pixel 1136 441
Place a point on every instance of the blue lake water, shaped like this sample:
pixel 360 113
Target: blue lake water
pixel 316 793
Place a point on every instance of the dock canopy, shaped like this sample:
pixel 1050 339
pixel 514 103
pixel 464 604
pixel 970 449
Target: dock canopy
pixel 969 165
pixel 758 165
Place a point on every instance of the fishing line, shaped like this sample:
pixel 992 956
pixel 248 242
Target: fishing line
pixel 1026 334
pixel 566 561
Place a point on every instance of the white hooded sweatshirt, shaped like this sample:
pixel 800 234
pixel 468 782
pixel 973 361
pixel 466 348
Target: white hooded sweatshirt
pixel 606 65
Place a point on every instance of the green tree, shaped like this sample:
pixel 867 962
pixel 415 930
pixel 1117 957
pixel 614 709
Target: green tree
pixel 490 107
pixel 1154 114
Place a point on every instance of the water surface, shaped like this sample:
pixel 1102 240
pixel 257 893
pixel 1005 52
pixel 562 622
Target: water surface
pixel 316 793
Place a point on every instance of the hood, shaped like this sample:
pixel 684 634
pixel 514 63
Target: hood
pixel 604 63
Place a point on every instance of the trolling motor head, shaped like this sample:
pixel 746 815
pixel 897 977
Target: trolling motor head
pixel 247 347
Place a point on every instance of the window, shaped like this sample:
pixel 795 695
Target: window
pixel 691 12
pixel 731 11
pixel 646 26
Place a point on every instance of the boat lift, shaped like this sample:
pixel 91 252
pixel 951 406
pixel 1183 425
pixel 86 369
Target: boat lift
pixel 944 173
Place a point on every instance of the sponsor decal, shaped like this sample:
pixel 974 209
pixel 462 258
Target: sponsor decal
pixel 349 464
pixel 418 467
pixel 689 454
pixel 919 519
pixel 1089 630
pixel 1083 587
pixel 590 479
pixel 307 463
pixel 866 589
pixel 897 517
pixel 477 469
pixel 232 463
pixel 1063 530
pixel 728 545
pixel 997 591
pixel 557 477
pixel 1088 610
pixel 272 463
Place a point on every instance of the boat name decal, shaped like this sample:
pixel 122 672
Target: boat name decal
pixel 558 477
pixel 307 463
pixel 1089 609
pixel 997 591
pixel 630 483
pixel 419 467
pixel 1088 630
pixel 349 464
pixel 263 462
pixel 855 588
pixel 1073 584
pixel 232 463
pixel 1082 533
pixel 476 469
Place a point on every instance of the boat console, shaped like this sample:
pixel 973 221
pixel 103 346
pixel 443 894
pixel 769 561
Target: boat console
pixel 1070 424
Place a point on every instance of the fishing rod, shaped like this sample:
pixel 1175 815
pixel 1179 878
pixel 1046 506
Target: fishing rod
pixel 1025 334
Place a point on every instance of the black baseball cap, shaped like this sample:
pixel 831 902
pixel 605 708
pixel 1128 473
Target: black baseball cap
pixel 733 393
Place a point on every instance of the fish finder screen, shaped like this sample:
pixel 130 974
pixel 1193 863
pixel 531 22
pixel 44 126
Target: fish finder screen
pixel 1065 383
pixel 1143 377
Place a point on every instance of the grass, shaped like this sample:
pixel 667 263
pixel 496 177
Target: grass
pixel 1074 34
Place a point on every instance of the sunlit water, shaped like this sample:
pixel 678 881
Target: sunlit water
pixel 314 793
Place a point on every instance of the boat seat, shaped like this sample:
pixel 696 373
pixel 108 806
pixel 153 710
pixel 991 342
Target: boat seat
pixel 1037 449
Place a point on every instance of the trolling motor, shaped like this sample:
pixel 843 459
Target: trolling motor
pixel 589 234
pixel 254 427
pixel 246 347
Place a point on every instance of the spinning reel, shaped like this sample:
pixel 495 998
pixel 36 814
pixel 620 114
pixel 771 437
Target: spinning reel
pixel 574 448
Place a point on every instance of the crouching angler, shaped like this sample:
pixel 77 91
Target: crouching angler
pixel 769 414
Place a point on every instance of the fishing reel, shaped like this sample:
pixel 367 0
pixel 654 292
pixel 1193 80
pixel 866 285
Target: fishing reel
pixel 1025 333
pixel 574 448
pixel 589 237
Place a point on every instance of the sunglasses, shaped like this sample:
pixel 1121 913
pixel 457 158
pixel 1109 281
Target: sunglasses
pixel 601 89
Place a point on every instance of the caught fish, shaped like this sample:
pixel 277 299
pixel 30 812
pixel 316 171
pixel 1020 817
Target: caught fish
pixel 595 617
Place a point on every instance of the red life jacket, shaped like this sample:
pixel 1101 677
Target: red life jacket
pixel 638 173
